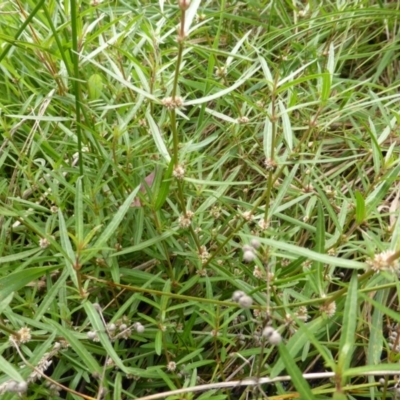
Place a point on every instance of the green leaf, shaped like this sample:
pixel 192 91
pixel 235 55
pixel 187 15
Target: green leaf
pixel 347 337
pixel 10 370
pixel 84 355
pixel 392 369
pixel 118 217
pixel 158 343
pixel 360 208
pixel 145 244
pixel 95 86
pixel 319 247
pixel 68 252
pixel 98 325
pixel 157 136
pixel 78 211
pixel 163 192
pixel 312 255
pixel 293 370
pixel 286 126
pixel 19 256
pixel 17 280
pixel 296 343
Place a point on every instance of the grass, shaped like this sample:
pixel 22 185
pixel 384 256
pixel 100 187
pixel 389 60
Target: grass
pixel 156 159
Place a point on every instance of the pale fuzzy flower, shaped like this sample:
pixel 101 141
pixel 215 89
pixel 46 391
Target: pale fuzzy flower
pixel 257 272
pixel 302 313
pixel 201 272
pixel 332 252
pixel 248 256
pixel 14 387
pixel 260 104
pixel 245 301
pixel 220 72
pixel 171 367
pixel 200 17
pixel 138 327
pixel 92 335
pixel 168 102
pixel 237 295
pixel 125 334
pixel 22 336
pixel 204 254
pixel 172 103
pixel 247 247
pixel 270 165
pixel 216 212
pixel 255 243
pixel 263 224
pixel 275 338
pixel 329 309
pixel 248 216
pixel 43 243
pixel 382 262
pixel 270 276
pixel 288 319
pixel 243 120
pixel 53 209
pixel 330 192
pixel 110 362
pixel 214 333
pixel 272 335
pixel 308 188
pixel 179 172
pixel 184 221
pixel 178 102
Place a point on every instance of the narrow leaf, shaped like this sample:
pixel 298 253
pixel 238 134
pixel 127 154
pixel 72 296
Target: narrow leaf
pixel 17 280
pixel 299 382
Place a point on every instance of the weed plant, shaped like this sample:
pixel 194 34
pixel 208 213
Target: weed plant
pixel 199 199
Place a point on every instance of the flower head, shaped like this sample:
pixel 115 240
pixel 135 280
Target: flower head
pixel 384 262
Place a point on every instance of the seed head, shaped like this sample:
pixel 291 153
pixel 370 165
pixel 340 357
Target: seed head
pixel 248 256
pixel 383 262
pixel 237 294
pixel 184 4
pixel 179 172
pixel 245 301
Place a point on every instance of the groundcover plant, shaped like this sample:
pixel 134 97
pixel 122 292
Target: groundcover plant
pixel 199 199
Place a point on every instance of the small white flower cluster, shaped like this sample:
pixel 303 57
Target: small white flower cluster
pixel 302 314
pixel 329 309
pixel 204 254
pixel 172 102
pixel 394 341
pixel 243 120
pixel 384 262
pixel 271 335
pixel 120 329
pixel 263 224
pixel 22 336
pixel 242 299
pixel 270 165
pixel 171 366
pixel 186 220
pixel 178 172
pixel 220 72
pixel 14 387
pixel 249 254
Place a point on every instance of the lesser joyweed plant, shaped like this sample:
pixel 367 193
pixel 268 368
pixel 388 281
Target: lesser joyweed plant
pixel 199 199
